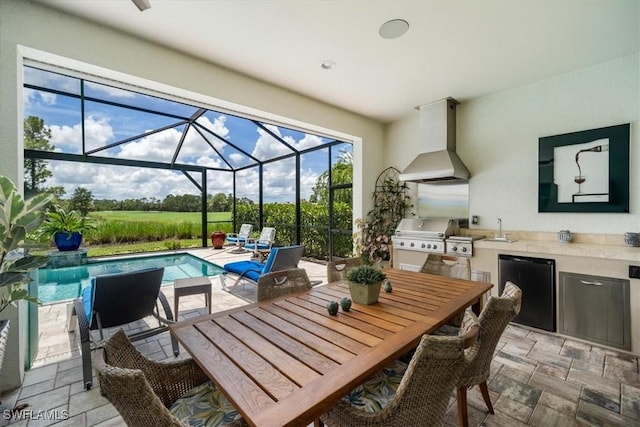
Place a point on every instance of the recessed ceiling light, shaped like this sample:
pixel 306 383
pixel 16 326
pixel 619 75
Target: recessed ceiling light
pixel 393 29
pixel 327 64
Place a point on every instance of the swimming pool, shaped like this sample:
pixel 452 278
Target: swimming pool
pixel 65 283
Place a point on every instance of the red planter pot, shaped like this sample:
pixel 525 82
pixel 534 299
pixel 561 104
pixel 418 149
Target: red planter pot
pixel 217 239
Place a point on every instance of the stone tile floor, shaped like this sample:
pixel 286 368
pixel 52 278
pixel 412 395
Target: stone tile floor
pixel 537 379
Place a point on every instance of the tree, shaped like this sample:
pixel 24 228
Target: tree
pixel 341 173
pixel 81 201
pixel 36 171
pixel 219 203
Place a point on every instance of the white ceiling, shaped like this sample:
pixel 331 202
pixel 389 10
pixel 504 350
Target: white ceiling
pixel 459 48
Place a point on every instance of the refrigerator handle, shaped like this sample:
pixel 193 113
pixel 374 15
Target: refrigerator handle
pixel 588 282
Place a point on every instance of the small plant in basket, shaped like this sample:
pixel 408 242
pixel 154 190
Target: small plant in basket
pixel 364 283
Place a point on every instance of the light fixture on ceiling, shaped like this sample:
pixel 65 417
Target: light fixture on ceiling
pixel 327 64
pixel 393 29
pixel 142 4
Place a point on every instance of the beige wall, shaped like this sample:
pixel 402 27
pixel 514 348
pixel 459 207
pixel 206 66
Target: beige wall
pixel 498 140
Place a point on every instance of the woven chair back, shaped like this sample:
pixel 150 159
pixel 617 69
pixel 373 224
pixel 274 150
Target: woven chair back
pixel 423 395
pixel 459 268
pixel 337 269
pixel 494 318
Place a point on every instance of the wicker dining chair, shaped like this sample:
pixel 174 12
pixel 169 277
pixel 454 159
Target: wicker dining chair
pixel 337 270
pixel 283 282
pixel 493 320
pixel 456 267
pixel 150 393
pixel 413 394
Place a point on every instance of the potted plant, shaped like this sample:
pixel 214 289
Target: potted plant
pixel 18 217
pixel 364 283
pixel 66 228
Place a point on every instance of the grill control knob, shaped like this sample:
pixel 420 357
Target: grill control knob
pixel 423 246
pixel 428 245
pixel 454 249
pixel 412 245
pixel 464 249
pixel 435 246
pixel 401 243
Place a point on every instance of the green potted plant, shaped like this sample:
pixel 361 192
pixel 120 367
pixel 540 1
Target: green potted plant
pixel 18 217
pixel 364 283
pixel 65 227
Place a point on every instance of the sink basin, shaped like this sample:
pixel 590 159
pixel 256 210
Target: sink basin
pixel 501 239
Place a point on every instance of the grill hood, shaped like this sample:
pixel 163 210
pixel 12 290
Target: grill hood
pixel 437 160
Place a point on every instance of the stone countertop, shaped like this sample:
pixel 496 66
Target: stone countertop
pixel 591 250
pixel 603 246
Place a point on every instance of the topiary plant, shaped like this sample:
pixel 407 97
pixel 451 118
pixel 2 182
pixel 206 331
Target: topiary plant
pixel 365 275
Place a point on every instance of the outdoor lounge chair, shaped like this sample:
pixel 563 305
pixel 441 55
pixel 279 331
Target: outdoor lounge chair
pixel 239 239
pixel 119 299
pixel 280 258
pixel 265 241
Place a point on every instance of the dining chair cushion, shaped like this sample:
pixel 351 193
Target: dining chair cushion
pixel 377 391
pixel 204 405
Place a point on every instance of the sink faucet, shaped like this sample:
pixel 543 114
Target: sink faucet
pixel 499 236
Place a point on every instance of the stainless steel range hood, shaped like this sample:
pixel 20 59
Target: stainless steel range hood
pixel 437 160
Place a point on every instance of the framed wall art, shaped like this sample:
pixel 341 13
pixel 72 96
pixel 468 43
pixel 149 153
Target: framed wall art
pixel 586 171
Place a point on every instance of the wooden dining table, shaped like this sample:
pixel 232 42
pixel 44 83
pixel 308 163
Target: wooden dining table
pixel 285 362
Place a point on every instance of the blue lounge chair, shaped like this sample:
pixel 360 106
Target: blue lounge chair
pixel 282 258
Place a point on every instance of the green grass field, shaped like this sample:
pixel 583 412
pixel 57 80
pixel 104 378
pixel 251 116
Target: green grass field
pixel 162 217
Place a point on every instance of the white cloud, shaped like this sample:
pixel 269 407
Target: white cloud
pixel 119 182
pixel 267 147
pixel 47 79
pixel 111 91
pixel 309 141
pixel 68 139
pixel 111 182
pixel 158 147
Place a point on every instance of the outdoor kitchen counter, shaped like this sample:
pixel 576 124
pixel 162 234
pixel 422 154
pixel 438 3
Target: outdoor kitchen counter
pixel 555 248
pixel 601 257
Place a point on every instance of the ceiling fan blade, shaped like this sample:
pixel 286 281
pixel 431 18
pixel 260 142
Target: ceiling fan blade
pixel 142 4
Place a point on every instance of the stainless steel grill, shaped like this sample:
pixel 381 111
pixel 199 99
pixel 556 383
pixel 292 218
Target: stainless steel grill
pixel 424 235
pixel 460 245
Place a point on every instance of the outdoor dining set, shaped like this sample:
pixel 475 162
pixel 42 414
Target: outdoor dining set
pixel 285 359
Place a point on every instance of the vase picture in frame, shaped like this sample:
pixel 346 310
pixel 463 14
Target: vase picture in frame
pixel 586 171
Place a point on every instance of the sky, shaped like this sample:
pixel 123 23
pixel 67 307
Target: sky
pixel 105 124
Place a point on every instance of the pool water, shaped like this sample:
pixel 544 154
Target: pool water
pixel 66 283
